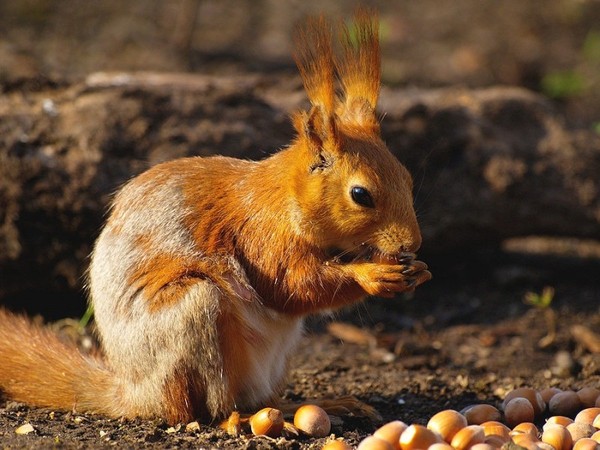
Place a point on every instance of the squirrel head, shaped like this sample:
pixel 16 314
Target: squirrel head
pixel 352 194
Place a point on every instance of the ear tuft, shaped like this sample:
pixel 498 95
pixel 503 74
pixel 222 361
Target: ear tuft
pixel 359 69
pixel 314 57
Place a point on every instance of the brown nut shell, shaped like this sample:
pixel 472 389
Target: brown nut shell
pixel 374 443
pixel 565 403
pixel 586 444
pixel 447 423
pixel 312 420
pixel 495 441
pixel 558 437
pixel 588 396
pixel 587 415
pixel 391 432
pixel 525 428
pixel 548 393
pixel 580 430
pixel 530 394
pixel 418 437
pixel 440 446
pixel 336 445
pixel 482 446
pixel 518 410
pixel 267 422
pixel 526 440
pixel 559 420
pixel 496 428
pixel 478 414
pixel 468 437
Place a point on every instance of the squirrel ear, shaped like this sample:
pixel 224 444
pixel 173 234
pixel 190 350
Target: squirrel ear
pixel 317 128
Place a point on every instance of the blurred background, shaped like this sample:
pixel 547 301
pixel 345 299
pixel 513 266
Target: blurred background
pixel 490 166
pixel 549 46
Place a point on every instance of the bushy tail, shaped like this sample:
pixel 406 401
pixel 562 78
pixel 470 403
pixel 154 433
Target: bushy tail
pixel 38 368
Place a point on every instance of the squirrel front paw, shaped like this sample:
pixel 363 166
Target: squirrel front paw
pixel 385 280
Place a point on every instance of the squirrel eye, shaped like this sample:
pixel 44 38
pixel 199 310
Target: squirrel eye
pixel 362 197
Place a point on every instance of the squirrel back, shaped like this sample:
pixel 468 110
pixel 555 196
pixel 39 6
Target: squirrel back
pixel 206 267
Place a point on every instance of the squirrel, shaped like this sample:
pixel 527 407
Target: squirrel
pixel 206 267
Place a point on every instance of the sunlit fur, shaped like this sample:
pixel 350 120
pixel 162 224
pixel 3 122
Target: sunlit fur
pixel 206 266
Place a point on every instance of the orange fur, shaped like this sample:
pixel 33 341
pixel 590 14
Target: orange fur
pixel 71 381
pixel 360 64
pixel 314 58
pixel 206 266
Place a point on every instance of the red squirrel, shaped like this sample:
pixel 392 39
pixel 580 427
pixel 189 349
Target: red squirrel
pixel 206 268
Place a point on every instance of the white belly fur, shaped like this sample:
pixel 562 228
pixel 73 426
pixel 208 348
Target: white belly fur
pixel 268 360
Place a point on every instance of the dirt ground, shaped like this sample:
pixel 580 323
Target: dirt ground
pixel 465 337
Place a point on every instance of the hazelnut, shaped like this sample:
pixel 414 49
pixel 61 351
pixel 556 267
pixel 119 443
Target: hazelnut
pixel 559 420
pixel 588 396
pixel 587 415
pixel 596 422
pixel 580 430
pixel 312 420
pixel 468 437
pixel 530 394
pixel 558 437
pixel 440 446
pixel 391 432
pixel 447 423
pixel 525 428
pixel 382 258
pixel 267 422
pixel 418 437
pixel 548 393
pixel 518 410
pixel 482 446
pixel 336 445
pixel 374 443
pixel 495 440
pixel 586 444
pixel 477 414
pixel 526 440
pixel 596 436
pixel 495 428
pixel 565 403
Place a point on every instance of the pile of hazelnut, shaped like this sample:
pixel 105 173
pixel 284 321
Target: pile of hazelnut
pixel 573 423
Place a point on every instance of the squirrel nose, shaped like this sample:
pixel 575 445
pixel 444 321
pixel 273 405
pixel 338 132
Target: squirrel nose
pixel 413 244
pixel 399 238
pixel 412 247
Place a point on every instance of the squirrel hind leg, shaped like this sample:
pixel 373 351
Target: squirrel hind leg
pixel 184 397
pixel 167 362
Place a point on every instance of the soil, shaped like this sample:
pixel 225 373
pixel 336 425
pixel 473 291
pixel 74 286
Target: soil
pixel 465 337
